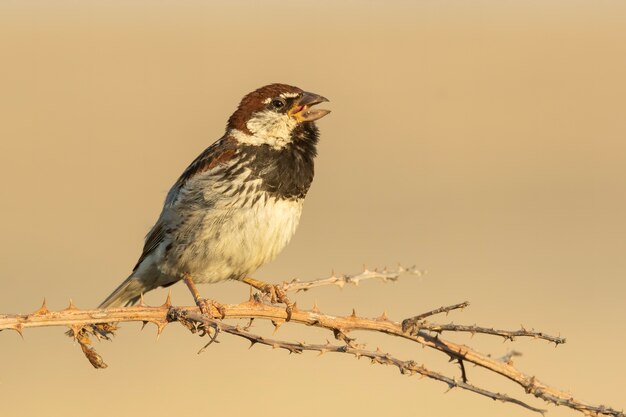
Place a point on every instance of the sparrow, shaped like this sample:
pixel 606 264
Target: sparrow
pixel 237 204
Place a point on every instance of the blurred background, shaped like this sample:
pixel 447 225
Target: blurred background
pixel 482 141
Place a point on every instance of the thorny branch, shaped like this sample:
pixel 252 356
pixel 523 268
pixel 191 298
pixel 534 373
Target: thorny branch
pixel 100 324
pixel 340 281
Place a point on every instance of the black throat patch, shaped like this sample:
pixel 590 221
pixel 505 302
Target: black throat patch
pixel 286 173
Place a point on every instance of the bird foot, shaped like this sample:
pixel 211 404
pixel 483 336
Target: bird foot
pixel 206 306
pixel 277 295
pixel 211 308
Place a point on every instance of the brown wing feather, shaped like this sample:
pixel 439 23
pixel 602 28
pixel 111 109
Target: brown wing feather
pixel 207 160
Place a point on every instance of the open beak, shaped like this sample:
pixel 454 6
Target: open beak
pixel 302 111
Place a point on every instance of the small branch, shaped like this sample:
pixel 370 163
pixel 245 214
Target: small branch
pixel 506 334
pixel 409 324
pixel 415 324
pixel 340 281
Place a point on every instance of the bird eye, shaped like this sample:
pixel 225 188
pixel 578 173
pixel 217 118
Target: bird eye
pixel 278 103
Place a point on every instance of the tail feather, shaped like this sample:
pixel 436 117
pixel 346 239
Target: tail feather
pixel 128 293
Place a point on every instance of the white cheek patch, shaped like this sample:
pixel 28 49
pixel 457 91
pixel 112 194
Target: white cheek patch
pixel 268 128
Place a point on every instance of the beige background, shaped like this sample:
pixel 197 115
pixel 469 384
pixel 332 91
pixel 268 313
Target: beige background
pixel 483 141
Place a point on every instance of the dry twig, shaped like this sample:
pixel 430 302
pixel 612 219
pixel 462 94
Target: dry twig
pixel 98 323
pixel 385 275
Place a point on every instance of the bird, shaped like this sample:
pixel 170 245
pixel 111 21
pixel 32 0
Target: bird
pixel 238 204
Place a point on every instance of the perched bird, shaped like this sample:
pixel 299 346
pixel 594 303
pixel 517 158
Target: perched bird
pixel 239 202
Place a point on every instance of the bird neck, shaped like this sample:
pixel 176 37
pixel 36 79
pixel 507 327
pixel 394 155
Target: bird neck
pixel 287 172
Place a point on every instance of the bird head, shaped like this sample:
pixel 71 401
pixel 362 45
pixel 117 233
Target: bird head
pixel 271 114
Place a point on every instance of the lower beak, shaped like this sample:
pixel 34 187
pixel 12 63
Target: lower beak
pixel 302 111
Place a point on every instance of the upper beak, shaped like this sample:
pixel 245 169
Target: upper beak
pixel 302 111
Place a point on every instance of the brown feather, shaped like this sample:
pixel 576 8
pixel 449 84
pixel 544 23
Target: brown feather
pixel 218 153
pixel 255 101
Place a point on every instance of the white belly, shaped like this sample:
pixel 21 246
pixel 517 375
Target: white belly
pixel 224 243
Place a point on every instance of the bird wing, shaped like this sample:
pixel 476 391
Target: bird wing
pixel 219 153
pixel 153 240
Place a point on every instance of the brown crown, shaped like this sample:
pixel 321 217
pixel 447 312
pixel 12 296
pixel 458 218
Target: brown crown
pixel 254 102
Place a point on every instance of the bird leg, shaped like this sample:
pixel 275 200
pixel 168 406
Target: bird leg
pixel 275 292
pixel 203 304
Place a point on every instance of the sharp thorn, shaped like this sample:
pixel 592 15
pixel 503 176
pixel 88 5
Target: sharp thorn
pixel 43 310
pixel 315 308
pixel 168 300
pixel 71 306
pixel 160 327
pixel 18 328
pixel 277 325
pixel 143 324
pixel 353 315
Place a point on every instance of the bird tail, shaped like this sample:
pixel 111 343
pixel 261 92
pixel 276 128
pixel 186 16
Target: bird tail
pixel 128 293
